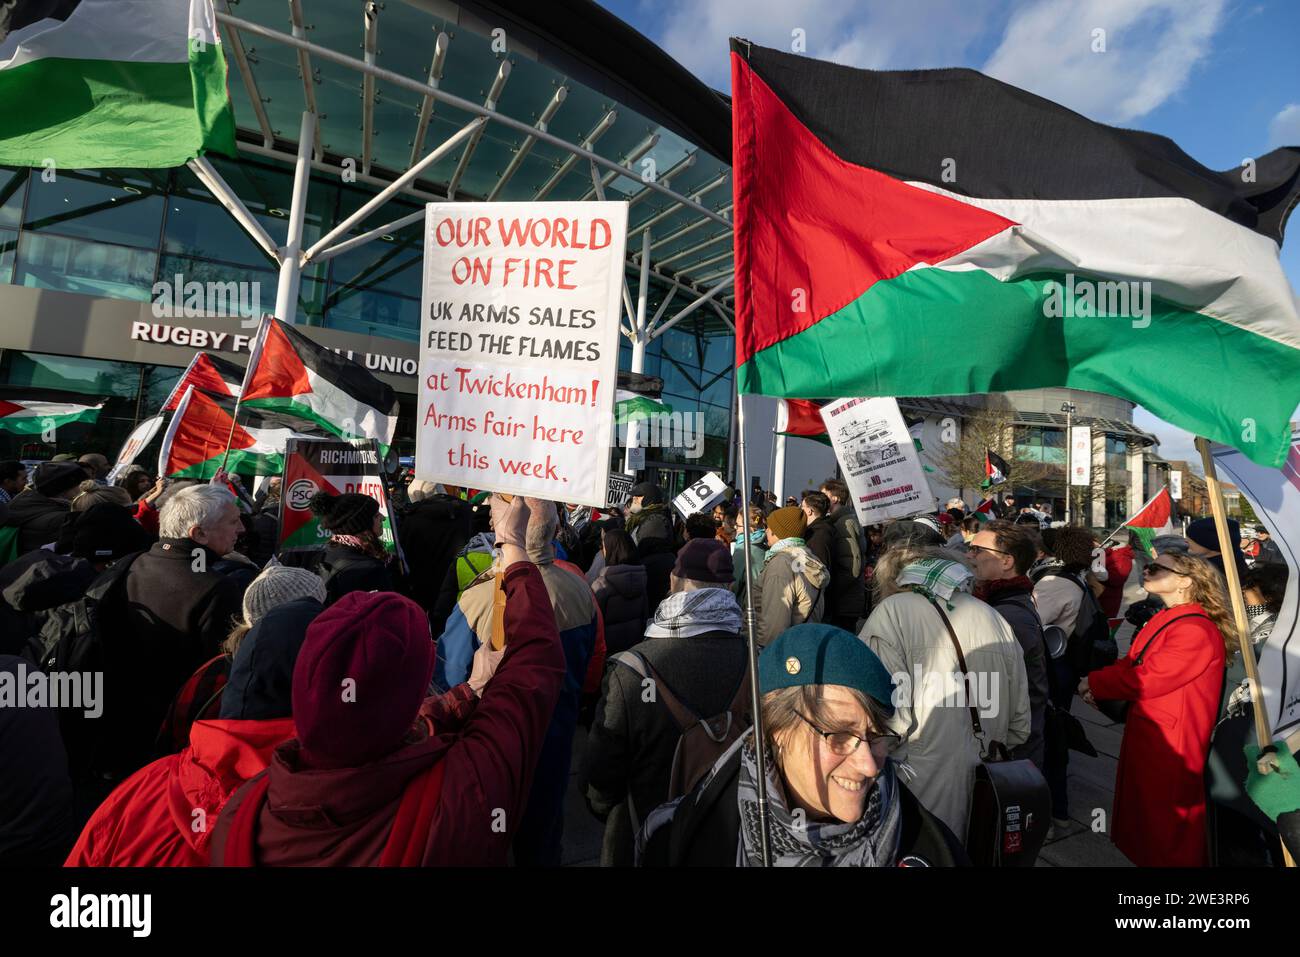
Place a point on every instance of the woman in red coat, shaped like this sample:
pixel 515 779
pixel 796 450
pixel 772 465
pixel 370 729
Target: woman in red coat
pixel 1173 675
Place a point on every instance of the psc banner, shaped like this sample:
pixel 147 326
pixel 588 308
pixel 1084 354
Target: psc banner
pixel 879 459
pixel 336 467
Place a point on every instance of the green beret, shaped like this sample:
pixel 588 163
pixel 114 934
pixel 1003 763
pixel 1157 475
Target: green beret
pixel 820 654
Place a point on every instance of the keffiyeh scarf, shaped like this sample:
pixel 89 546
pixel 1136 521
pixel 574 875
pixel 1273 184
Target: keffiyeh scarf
pixel 938 578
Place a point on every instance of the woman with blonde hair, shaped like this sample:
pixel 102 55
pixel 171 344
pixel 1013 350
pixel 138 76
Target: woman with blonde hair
pixel 91 493
pixel 1173 677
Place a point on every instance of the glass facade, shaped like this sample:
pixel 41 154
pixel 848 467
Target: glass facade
pixel 1037 444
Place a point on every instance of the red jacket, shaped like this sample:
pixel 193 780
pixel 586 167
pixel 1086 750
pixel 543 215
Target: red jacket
pixel 164 814
pixel 1159 817
pixel 342 817
pixel 1119 563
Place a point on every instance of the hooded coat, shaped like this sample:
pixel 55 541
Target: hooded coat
pixel 789 592
pixel 37 517
pixel 620 592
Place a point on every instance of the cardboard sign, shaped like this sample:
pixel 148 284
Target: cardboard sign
pixel 519 347
pixel 701 496
pixel 619 493
pixel 336 467
pixel 880 463
pixel 140 436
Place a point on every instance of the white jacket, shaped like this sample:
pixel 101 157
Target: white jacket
pixel 930 712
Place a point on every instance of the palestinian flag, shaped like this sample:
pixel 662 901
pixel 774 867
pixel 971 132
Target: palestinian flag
pixel 195 443
pixel 995 468
pixel 207 373
pixel 1154 518
pixel 632 407
pixel 983 511
pixel 111 83
pixel 33 416
pixel 916 207
pixel 916 429
pixel 291 375
pixel 801 417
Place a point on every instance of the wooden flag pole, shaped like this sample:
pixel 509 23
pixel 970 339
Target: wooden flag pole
pixel 1263 733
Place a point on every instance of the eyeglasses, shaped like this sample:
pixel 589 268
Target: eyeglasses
pixel 976 549
pixel 844 743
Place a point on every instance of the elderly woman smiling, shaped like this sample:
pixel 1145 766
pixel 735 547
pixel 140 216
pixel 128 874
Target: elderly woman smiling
pixel 834 797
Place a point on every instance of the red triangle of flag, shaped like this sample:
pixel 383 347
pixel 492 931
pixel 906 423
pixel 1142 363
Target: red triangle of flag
pixel 814 232
pixel 280 372
pixel 8 408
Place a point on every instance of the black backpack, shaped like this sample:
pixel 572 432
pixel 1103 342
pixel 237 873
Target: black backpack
pixel 71 637
pixel 1090 646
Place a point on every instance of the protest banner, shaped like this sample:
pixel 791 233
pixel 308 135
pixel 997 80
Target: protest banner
pixel 140 436
pixel 880 463
pixel 519 347
pixel 333 466
pixel 619 491
pixel 1081 455
pixel 702 495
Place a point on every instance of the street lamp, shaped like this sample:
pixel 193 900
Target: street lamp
pixel 1068 409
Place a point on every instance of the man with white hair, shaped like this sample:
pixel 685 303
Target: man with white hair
pixel 177 612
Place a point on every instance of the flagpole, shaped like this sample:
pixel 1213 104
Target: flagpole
pixel 756 701
pixel 254 355
pixel 1126 521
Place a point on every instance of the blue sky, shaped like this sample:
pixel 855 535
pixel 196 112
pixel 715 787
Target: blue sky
pixel 1219 77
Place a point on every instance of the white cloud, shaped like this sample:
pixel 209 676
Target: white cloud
pixel 1284 129
pixel 896 35
pixel 1151 47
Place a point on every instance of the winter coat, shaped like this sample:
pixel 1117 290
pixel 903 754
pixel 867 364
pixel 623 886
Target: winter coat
pixel 37 822
pixel 846 595
pixel 574 614
pixel 786 595
pixel 757 552
pixel 1159 817
pixel 432 532
pixel 37 518
pixel 659 558
pixel 653 521
pixel 631 745
pixel 1059 597
pixel 489 746
pixel 346 570
pixel 620 593
pixel 910 638
pixel 34 583
pixel 1016 605
pixel 1119 565
pixel 819 536
pixel 1270 553
pixel 164 814
pixel 266 529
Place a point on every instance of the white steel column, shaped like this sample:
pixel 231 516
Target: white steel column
pixel 639 340
pixel 778 470
pixel 286 293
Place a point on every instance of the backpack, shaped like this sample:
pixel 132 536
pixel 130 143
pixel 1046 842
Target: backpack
pixel 70 636
pixel 703 740
pixel 1090 646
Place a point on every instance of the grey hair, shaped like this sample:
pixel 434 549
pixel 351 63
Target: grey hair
pixel 894 560
pixel 199 505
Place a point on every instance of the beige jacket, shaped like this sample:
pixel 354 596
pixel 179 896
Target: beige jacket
pixel 930 712
pixel 790 591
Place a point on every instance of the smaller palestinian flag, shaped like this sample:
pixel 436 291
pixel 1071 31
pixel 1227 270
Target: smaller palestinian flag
pixel 801 417
pixel 996 469
pixel 207 373
pixel 91 84
pixel 291 375
pixel 916 428
pixel 983 511
pixel 195 444
pixel 633 407
pixel 1154 518
pixel 33 416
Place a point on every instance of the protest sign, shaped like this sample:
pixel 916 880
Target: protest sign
pixel 333 466
pixel 702 495
pixel 519 346
pixel 140 436
pixel 619 491
pixel 879 460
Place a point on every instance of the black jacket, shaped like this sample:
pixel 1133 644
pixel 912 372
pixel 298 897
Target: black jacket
pixel 705 829
pixel 266 531
pixel 1017 607
pixel 654 521
pixel 431 532
pixel 34 583
pixel 846 596
pixel 820 539
pixel 1269 553
pixel 37 518
pixel 620 593
pixel 346 570
pixel 658 556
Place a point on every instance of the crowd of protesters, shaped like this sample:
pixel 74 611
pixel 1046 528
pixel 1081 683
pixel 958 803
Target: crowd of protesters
pixel 347 707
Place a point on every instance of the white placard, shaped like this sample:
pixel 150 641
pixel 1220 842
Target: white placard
pixel 519 347
pixel 879 460
pixel 620 489
pixel 702 495
pixel 140 436
pixel 1176 486
pixel 1081 455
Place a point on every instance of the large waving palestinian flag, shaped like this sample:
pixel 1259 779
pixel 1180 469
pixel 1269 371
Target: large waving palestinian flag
pixel 40 411
pixel 194 446
pixel 920 210
pixel 290 374
pixel 207 373
pixel 111 83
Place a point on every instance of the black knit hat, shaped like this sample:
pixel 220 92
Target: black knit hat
pixel 55 477
pixel 346 514
pixel 648 492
